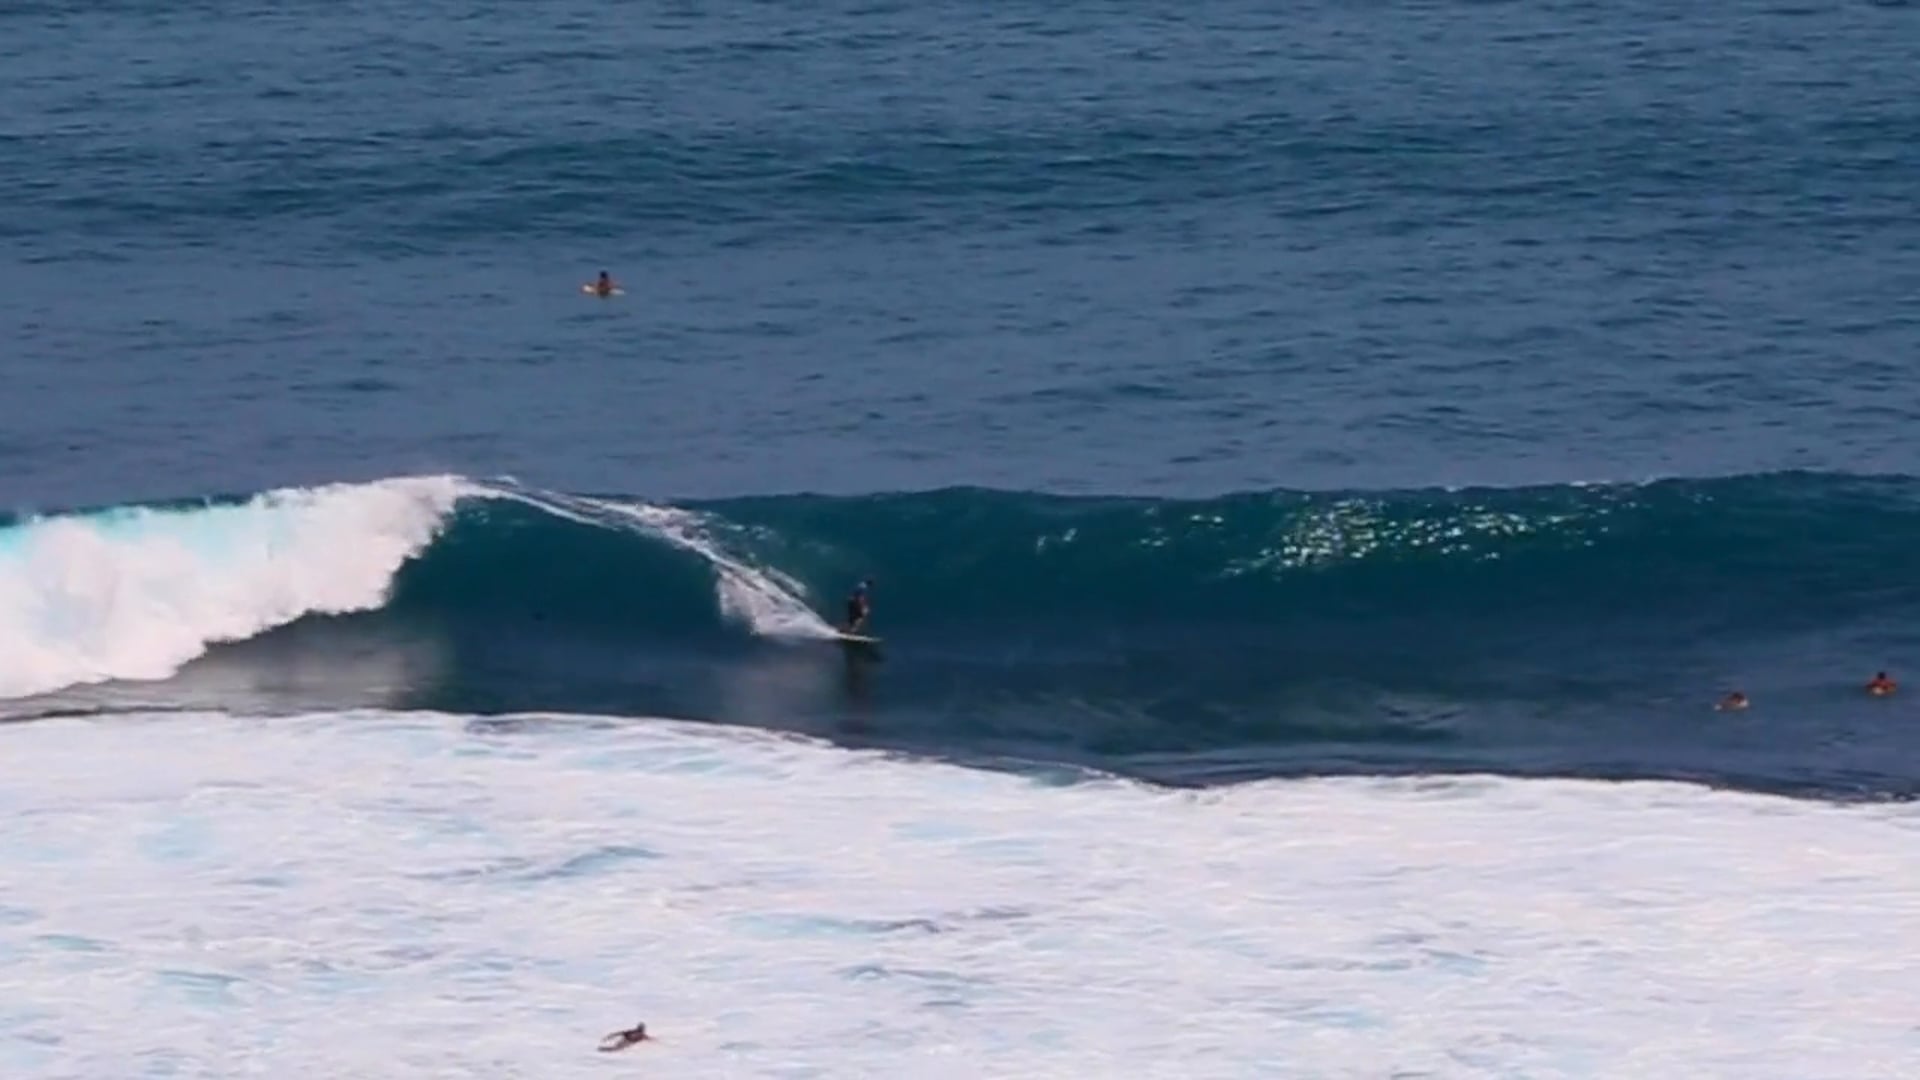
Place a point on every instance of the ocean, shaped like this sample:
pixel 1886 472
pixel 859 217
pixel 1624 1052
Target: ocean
pixel 1319 466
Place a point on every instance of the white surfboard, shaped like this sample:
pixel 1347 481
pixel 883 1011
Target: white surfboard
pixel 591 291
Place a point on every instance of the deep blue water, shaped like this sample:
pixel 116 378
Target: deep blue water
pixel 1288 272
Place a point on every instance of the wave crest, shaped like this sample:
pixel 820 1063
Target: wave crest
pixel 135 592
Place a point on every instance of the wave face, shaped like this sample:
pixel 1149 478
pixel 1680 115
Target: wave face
pixel 1573 629
pixel 1717 553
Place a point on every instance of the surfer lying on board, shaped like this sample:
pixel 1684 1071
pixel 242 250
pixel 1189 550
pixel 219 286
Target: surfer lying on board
pixel 620 1040
pixel 858 608
pixel 604 286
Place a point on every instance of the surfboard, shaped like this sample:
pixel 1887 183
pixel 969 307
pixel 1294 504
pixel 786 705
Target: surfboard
pixel 856 639
pixel 591 291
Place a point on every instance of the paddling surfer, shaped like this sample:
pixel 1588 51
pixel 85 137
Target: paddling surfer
pixel 620 1040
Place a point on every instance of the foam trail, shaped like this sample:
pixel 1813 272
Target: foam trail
pixel 134 593
pixel 766 600
pixel 770 603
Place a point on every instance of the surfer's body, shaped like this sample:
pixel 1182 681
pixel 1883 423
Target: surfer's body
pixel 859 609
pixel 620 1040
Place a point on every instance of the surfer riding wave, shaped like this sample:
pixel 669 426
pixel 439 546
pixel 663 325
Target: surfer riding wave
pixel 859 608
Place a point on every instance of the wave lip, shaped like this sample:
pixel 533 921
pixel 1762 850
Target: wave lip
pixel 136 592
pixel 762 598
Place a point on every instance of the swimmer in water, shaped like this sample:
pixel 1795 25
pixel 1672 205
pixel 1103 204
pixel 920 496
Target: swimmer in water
pixel 1881 686
pixel 1733 702
pixel 620 1040
pixel 602 287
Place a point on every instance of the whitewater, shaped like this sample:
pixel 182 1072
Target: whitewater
pixel 135 593
pixel 382 894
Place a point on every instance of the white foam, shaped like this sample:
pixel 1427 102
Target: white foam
pixel 136 593
pixel 385 895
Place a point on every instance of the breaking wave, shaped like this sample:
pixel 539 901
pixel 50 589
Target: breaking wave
pixel 1560 629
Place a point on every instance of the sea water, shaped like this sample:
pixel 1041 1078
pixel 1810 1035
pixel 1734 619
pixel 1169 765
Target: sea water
pixel 1319 467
